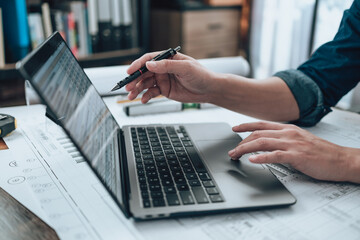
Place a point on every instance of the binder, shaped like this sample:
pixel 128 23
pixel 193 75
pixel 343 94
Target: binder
pixel 46 19
pixel 116 24
pixel 36 29
pixel 104 21
pixel 16 30
pixel 93 25
pixel 126 14
pixel 78 8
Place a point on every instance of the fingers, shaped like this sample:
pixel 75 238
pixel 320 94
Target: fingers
pixel 260 144
pixel 263 134
pixel 149 56
pixel 271 157
pixel 141 86
pixel 150 93
pixel 138 63
pixel 130 86
pixel 250 127
pixel 168 66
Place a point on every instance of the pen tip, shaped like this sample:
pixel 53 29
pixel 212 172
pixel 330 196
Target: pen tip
pixel 115 88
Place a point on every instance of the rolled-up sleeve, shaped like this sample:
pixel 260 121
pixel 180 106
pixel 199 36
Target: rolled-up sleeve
pixel 331 72
pixel 307 95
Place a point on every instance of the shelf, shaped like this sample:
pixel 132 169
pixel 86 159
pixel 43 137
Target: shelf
pixel 95 60
pixel 187 6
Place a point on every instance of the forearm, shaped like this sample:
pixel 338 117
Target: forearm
pixel 351 157
pixel 269 99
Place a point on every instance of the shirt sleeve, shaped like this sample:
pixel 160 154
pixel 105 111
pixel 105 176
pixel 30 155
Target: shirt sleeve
pixel 331 72
pixel 307 95
pixel 335 66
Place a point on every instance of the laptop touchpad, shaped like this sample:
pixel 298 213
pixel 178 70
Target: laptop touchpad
pixel 215 155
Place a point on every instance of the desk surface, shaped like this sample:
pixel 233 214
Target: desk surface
pixel 324 209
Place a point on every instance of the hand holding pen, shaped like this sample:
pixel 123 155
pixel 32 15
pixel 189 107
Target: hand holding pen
pixel 164 55
pixel 180 78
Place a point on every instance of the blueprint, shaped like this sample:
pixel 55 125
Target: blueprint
pixel 61 189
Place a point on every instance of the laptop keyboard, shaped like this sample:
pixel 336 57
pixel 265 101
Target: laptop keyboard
pixel 169 169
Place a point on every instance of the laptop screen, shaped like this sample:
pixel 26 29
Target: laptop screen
pixel 64 87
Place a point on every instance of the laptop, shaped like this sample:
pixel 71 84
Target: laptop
pixel 151 171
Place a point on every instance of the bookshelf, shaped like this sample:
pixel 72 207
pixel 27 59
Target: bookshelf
pixel 11 82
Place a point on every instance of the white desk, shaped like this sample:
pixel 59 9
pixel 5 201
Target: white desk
pixel 324 210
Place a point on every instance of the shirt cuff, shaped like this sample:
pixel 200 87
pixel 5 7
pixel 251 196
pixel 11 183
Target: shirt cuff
pixel 307 95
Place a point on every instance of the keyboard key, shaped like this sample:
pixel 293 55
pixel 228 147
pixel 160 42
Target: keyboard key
pixel 197 162
pixel 165 175
pixel 212 191
pixel 170 189
pixel 182 187
pixel 171 157
pixel 155 188
pixel 200 195
pixel 149 162
pixel 167 183
pixel 143 187
pixel 145 195
pixel 158 154
pixel 187 144
pixel 194 183
pixel 157 149
pixel 160 158
pixel 208 184
pixel 141 172
pixel 216 198
pixel 142 179
pixel 177 174
pixel 146 203
pixel 172 199
pixel 191 176
pixel 204 176
pixel 154 181
pixel 148 157
pixel 180 180
pixel 186 198
pixel 157 195
pixel 158 202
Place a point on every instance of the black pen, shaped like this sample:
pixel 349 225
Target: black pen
pixel 164 55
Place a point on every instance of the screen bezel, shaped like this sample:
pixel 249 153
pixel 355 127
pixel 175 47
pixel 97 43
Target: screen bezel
pixel 29 66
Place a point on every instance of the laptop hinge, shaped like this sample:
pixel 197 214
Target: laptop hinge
pixel 124 174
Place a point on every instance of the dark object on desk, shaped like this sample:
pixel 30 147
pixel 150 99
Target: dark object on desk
pixel 17 222
pixel 164 55
pixel 7 124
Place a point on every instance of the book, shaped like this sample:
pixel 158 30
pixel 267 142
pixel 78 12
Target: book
pixel 104 21
pixel 126 14
pixel 78 8
pixel 116 24
pixel 72 34
pixel 16 29
pixel 36 29
pixel 59 23
pixel 93 27
pixel 2 47
pixel 46 19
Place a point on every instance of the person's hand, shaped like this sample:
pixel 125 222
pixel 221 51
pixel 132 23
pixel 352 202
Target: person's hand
pixel 181 78
pixel 285 143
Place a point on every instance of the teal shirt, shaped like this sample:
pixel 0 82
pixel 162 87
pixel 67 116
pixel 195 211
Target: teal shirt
pixel 331 72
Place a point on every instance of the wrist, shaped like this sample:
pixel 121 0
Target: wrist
pixel 221 87
pixel 352 156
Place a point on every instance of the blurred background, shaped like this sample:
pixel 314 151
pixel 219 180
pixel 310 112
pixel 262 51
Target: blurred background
pixel 272 35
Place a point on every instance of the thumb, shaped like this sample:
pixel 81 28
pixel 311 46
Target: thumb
pixel 166 66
